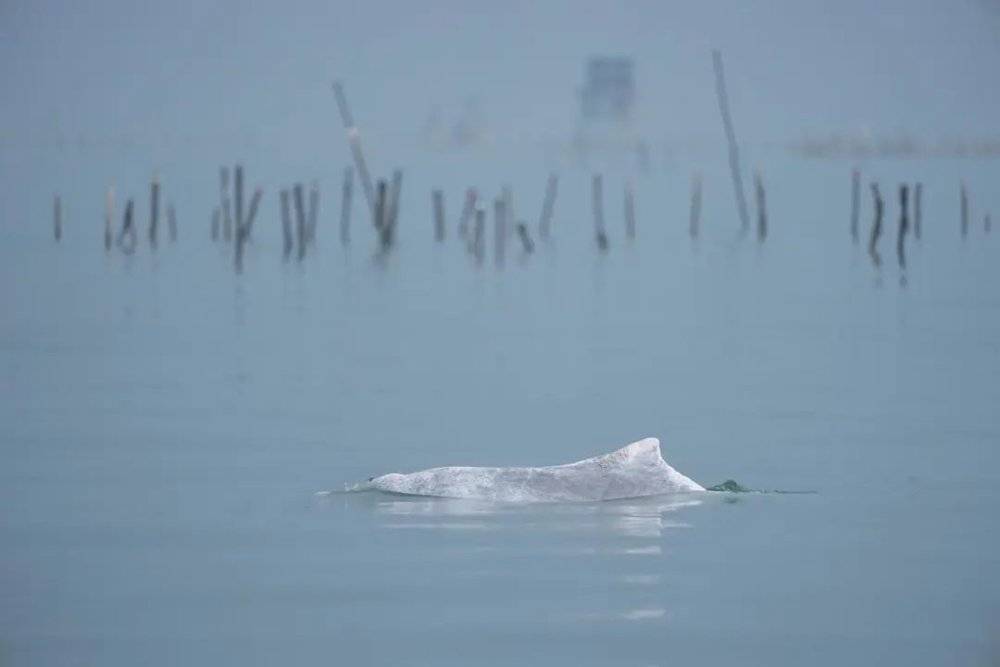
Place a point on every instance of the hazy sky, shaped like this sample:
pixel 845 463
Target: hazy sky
pixel 107 69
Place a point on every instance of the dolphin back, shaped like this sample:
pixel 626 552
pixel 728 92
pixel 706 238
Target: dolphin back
pixel 633 471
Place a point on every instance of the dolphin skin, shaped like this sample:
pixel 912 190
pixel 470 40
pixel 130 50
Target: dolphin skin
pixel 633 471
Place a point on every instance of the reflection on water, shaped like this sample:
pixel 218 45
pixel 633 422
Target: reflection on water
pixel 609 556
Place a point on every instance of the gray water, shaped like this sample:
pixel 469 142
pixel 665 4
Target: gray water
pixel 167 424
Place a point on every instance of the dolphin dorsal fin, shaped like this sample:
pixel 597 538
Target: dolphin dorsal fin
pixel 642 451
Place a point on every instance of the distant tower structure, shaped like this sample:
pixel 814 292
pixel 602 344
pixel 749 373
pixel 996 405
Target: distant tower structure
pixel 608 93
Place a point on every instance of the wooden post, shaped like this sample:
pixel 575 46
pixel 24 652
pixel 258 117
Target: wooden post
pixel 313 211
pixel 172 222
pixel 128 230
pixel 237 198
pixel 876 227
pixel 917 191
pixel 903 226
pixel 227 223
pixel 508 207
pixel 154 209
pixel 354 139
pixel 478 235
pixel 548 206
pixel 695 217
pixel 216 215
pixel 300 219
pixel 761 208
pixel 987 224
pixel 437 199
pixel 500 230
pixel 394 193
pixel 286 225
pixel 57 218
pixel 964 205
pixel 629 212
pixel 734 154
pixel 526 242
pixel 345 206
pixel 855 203
pixel 468 211
pixel 378 213
pixel 258 192
pixel 597 201
pixel 109 218
pixel 244 226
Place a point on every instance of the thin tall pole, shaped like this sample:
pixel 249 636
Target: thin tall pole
pixel 734 152
pixel 345 206
pixel 597 202
pixel 761 207
pixel 903 226
pixel 154 209
pixel 876 227
pixel 354 139
pixel 548 206
pixel 57 217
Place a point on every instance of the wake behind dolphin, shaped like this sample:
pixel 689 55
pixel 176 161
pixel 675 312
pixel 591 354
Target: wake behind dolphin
pixel 633 471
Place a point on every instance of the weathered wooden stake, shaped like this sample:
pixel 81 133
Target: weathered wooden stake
pixel 478 235
pixel 128 230
pixel 237 198
pixel 964 205
pixel 244 228
pixel 437 199
pixel 917 215
pixel 761 208
pixel 597 201
pixel 629 212
pixel 109 218
pixel 526 243
pixel 855 203
pixel 468 211
pixel 500 229
pixel 379 214
pixel 154 210
pixel 286 226
pixel 227 222
pixel 548 206
pixel 300 219
pixel 507 193
pixel 172 222
pixel 734 154
pixel 345 206
pixel 876 227
pixel 254 204
pixel 694 220
pixel 394 192
pixel 354 139
pixel 57 217
pixel 903 226
pixel 313 212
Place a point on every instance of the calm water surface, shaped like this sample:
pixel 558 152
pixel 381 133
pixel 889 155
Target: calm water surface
pixel 165 426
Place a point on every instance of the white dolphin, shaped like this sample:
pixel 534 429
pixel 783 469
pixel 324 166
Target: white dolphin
pixel 633 471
